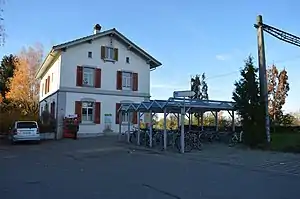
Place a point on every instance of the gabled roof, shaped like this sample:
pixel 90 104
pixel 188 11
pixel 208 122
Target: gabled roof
pixel 112 32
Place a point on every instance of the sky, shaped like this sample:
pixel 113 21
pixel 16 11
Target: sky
pixel 188 37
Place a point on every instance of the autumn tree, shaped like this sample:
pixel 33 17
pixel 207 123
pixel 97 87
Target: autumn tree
pixel 7 67
pixel 278 88
pixel 249 107
pixel 24 88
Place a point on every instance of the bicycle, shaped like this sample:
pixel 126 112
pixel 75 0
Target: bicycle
pixel 235 138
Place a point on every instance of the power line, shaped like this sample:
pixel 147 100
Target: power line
pixel 222 75
pixel 237 71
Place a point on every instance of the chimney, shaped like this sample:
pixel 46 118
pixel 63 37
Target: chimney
pixel 97 28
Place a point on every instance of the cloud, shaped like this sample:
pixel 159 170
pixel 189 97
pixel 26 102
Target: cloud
pixel 223 57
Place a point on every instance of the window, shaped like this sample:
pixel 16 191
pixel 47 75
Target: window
pixel 126 117
pixel 87 111
pixel 127 60
pixel 90 54
pixel 110 53
pixel 26 125
pixel 88 76
pixel 127 80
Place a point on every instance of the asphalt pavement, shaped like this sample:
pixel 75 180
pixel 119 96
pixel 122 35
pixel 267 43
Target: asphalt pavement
pixel 102 169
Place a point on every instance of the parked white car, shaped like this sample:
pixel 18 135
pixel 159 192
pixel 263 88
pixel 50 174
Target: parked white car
pixel 25 131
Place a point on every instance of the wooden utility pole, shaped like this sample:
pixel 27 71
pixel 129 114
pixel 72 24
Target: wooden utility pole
pixel 281 35
pixel 262 74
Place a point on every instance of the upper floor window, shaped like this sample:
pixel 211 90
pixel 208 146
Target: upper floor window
pixel 109 53
pixel 88 76
pixel 126 80
pixel 127 60
pixel 90 54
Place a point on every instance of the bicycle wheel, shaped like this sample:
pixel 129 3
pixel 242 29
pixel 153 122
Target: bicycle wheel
pixel 177 143
pixel 188 145
pixel 198 144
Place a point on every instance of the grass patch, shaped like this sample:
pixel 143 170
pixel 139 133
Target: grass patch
pixel 285 142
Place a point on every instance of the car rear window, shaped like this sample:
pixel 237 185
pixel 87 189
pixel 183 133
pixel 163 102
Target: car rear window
pixel 26 125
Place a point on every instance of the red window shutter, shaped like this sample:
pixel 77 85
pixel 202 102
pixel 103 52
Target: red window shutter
pixel 48 84
pixel 45 86
pixel 134 118
pixel 118 105
pixel 119 80
pixel 79 76
pixel 52 109
pixel 135 82
pixel 97 78
pixel 97 112
pixel 78 109
pixel 102 52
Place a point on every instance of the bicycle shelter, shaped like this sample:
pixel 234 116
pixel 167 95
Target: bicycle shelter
pixel 179 106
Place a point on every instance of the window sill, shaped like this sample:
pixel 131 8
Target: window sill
pixel 109 60
pixel 126 88
pixel 126 123
pixel 87 123
pixel 89 86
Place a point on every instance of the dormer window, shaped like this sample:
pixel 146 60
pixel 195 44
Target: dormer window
pixel 109 53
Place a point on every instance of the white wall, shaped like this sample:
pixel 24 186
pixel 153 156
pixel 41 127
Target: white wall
pixel 54 73
pixel 78 55
pixel 108 106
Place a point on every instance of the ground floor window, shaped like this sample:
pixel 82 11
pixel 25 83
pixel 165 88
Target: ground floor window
pixel 87 112
pixel 127 117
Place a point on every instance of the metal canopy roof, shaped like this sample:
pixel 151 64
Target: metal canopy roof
pixel 175 104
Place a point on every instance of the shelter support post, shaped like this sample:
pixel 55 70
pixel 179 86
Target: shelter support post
pixel 139 128
pixel 233 123
pixel 120 124
pixel 182 131
pixel 190 121
pixel 150 129
pixel 202 115
pixel 232 120
pixel 178 121
pixel 128 126
pixel 165 129
pixel 216 121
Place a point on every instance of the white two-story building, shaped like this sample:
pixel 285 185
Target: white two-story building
pixel 90 76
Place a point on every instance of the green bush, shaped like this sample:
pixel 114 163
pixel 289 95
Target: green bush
pixel 285 142
pixel 10 113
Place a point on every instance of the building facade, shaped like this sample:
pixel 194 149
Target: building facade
pixel 90 76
